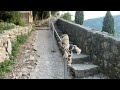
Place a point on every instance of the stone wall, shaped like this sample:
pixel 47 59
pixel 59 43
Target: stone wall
pixel 104 50
pixel 7 37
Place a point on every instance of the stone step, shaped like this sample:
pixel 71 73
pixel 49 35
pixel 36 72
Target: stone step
pixel 97 76
pixel 82 58
pixel 83 70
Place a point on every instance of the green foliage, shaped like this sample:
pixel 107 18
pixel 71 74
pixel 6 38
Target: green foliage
pixel 22 23
pixel 6 65
pixel 108 23
pixel 6 26
pixel 12 17
pixel 22 38
pixel 79 17
pixel 4 15
pixel 15 45
pixel 67 16
pixel 15 17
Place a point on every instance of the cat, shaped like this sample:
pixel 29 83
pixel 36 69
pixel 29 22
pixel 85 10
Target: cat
pixel 78 50
pixel 65 41
pixel 65 56
pixel 68 56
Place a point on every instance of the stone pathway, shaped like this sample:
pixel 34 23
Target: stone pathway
pixel 50 65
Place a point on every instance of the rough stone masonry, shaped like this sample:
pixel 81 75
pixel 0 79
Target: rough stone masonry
pixel 104 49
pixel 7 37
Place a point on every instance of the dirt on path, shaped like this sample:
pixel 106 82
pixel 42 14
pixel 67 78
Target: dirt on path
pixel 35 59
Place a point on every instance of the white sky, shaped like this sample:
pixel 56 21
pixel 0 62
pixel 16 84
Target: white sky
pixel 94 14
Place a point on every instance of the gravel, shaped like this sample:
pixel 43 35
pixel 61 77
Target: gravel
pixel 50 65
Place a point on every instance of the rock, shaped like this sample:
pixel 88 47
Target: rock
pixel 28 74
pixel 24 70
pixel 1 42
pixel 14 76
pixel 35 63
pixel 32 57
pixel 24 77
pixel 29 67
pixel 34 49
pixel 3 54
pixel 24 74
pixel 9 46
pixel 19 75
pixel 26 51
pixel 37 55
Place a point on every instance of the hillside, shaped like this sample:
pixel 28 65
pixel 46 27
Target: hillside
pixel 96 23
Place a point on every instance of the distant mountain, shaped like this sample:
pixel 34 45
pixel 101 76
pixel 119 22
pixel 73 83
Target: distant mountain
pixel 97 23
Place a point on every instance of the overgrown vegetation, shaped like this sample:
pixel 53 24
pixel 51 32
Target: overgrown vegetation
pixel 12 17
pixel 6 65
pixel 67 16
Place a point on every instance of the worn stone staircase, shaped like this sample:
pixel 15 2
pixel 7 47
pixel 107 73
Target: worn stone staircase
pixel 82 67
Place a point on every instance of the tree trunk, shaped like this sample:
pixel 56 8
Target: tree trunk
pixel 42 14
pixel 49 13
pixel 36 16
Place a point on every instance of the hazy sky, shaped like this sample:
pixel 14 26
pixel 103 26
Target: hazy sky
pixel 94 14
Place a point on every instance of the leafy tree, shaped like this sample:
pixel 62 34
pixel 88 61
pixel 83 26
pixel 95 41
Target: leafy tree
pixel 79 17
pixel 108 23
pixel 67 16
